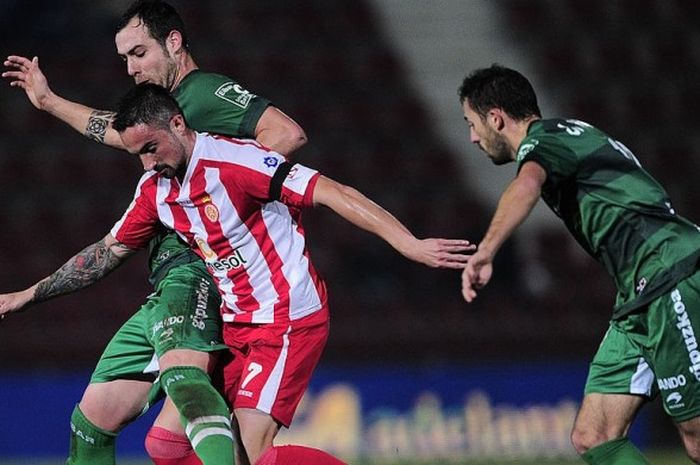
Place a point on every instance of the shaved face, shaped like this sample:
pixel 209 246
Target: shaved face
pixel 146 59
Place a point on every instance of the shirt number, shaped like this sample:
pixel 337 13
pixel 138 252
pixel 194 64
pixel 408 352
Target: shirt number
pixel 254 370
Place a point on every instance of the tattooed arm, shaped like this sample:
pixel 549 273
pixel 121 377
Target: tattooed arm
pixel 87 267
pixel 93 124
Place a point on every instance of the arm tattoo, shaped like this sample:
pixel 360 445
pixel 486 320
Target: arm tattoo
pixel 97 125
pixel 87 267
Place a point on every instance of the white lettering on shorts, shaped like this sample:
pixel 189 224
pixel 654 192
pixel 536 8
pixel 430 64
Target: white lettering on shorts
pixel 666 384
pixel 200 311
pixel 686 328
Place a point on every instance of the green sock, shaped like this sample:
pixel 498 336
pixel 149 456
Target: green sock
pixel 89 445
pixel 616 452
pixel 203 412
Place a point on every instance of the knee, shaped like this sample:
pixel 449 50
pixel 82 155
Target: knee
pixel 164 446
pixel 584 439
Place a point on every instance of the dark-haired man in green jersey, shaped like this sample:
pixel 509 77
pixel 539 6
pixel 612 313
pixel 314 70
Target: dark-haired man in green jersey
pixel 624 219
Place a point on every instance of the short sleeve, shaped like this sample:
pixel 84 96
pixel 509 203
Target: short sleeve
pixel 140 221
pixel 558 161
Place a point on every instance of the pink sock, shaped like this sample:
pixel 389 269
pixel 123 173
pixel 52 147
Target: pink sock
pixel 296 455
pixel 167 448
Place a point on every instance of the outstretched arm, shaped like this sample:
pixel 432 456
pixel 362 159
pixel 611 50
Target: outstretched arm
pixel 515 205
pixel 363 213
pixel 87 267
pixel 93 124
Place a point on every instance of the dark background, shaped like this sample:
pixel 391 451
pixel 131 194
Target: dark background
pixel 629 67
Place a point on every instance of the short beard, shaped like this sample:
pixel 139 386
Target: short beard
pixel 501 153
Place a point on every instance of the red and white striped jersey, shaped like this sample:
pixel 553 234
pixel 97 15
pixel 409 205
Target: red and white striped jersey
pixel 253 246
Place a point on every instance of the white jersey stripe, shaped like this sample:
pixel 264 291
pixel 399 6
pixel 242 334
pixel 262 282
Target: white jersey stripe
pixel 235 238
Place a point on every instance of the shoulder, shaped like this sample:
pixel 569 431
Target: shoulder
pixel 243 152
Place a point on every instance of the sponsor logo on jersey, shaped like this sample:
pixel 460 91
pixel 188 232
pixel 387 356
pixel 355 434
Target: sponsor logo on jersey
pixel 204 248
pixel 641 285
pixel 673 382
pixel 271 162
pixel 200 310
pixel 686 328
pixel 163 255
pixel 211 212
pixel 233 261
pixel 234 93
pixel 674 400
pixel 527 148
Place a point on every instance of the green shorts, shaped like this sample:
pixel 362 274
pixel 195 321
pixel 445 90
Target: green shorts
pixel 655 352
pixel 182 313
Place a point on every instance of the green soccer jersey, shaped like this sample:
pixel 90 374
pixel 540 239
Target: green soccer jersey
pixel 614 208
pixel 210 103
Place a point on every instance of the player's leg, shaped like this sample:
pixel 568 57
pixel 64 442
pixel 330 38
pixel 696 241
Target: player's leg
pixel 619 382
pixel 116 395
pixel 186 333
pixel 600 430
pixel 103 411
pixel 269 374
pixel 166 442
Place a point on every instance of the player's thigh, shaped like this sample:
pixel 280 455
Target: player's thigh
pixel 620 380
pixel 113 404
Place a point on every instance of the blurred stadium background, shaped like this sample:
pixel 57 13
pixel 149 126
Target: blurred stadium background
pixel 410 371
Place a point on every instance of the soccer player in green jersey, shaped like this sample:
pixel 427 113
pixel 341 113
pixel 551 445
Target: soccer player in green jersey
pixel 152 40
pixel 624 219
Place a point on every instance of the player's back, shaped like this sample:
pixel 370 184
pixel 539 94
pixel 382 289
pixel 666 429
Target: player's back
pixel 618 212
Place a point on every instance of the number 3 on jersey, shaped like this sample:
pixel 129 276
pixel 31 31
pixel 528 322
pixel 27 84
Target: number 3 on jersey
pixel 254 369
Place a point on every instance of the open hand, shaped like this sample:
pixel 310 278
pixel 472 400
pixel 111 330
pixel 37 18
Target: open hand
pixel 25 73
pixel 442 253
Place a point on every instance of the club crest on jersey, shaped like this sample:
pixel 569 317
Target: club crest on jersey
pixel 204 248
pixel 234 93
pixel 527 148
pixel 271 162
pixel 211 212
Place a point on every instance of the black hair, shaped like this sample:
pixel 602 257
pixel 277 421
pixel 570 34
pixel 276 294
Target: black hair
pixel 145 103
pixel 499 87
pixel 159 17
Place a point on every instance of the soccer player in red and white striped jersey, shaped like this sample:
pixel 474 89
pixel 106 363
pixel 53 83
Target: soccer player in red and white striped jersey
pixel 238 205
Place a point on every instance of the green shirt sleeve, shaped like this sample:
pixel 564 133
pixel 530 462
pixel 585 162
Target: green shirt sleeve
pixel 217 104
pixel 558 161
